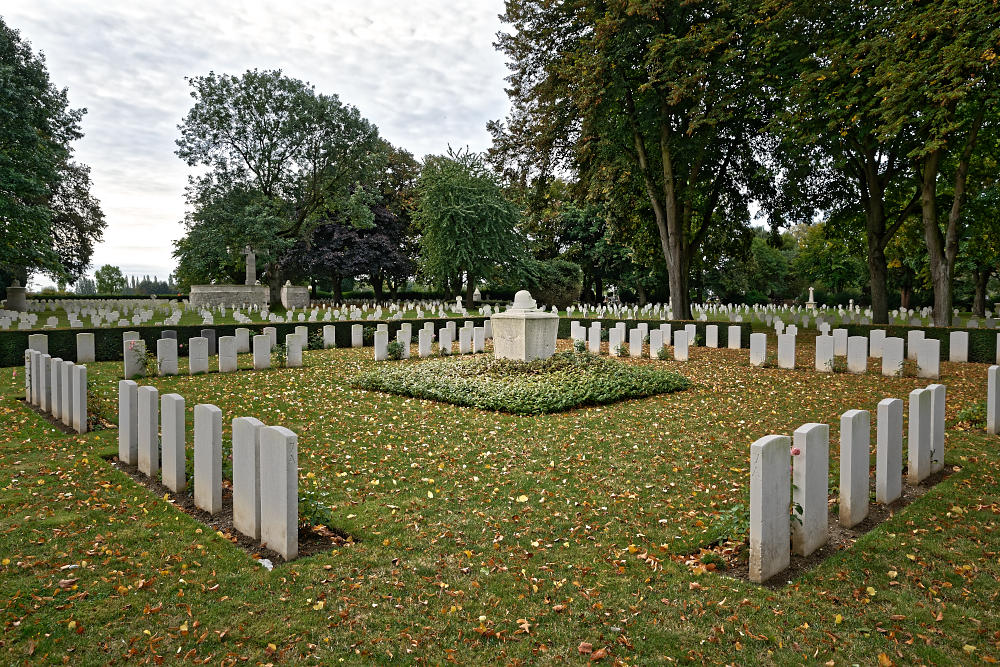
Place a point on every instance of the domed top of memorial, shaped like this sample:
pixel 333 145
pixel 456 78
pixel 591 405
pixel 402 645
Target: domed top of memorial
pixel 523 301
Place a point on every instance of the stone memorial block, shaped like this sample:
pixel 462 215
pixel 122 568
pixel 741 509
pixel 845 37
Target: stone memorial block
pixel 357 335
pixel 381 345
pixel 66 393
pixel 810 487
pixel 148 399
pixel 130 335
pixel 681 346
pixel 36 382
pixel 711 335
pixel 523 332
pixel 958 346
pixel 594 338
pixel 770 489
pixel 209 335
pixel 85 348
pixel 914 340
pixel 889 451
pixel 614 340
pixel 735 339
pixel 464 340
pixel 892 357
pixel 279 492
pixel 293 350
pixel 993 400
pixel 667 330
pixel 44 383
pixel 303 331
pixel 55 388
pixel 938 396
pixel 166 356
pixel 385 327
pixel 824 354
pixel 272 334
pixel 246 475
pixel 172 443
pixel 197 355
pixel 134 356
pixel 242 340
pixel 929 359
pixel 479 339
pixel 786 351
pixel 758 349
pixel 692 334
pixel 855 445
pixel 918 444
pixel 128 422
pixel 330 336
pixel 79 398
pixel 876 337
pixel 857 354
pixel 424 340
pixel 261 352
pixel 840 342
pixel 655 343
pixel 445 339
pixel 227 354
pixel 635 343
pixel 208 458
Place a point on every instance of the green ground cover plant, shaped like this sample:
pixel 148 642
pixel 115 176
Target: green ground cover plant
pixel 565 381
pixel 489 538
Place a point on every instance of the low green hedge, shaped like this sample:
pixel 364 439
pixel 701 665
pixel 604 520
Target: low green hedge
pixel 564 381
pixel 607 323
pixel 982 342
pixel 42 296
pixel 108 341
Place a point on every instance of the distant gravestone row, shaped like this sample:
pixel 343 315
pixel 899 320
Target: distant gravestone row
pixel 152 436
pixel 643 341
pixel 776 531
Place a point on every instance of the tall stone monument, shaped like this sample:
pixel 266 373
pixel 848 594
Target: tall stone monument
pixel 250 294
pixel 16 297
pixel 524 333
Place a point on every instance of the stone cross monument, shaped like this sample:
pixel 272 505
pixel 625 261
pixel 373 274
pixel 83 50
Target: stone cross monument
pixel 251 266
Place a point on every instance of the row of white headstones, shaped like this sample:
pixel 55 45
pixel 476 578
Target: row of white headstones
pixel 56 387
pixel 658 338
pixel 152 437
pixel 471 339
pixel 776 531
pixel 925 351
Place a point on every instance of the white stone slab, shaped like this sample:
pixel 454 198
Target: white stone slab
pixel 357 335
pixel 914 338
pixel 272 334
pixel 855 447
pixel 148 399
pixel 66 393
pixel 208 458
pixel 227 354
pixel 839 342
pixel 39 342
pixel 655 343
pixel 445 339
pixel 594 338
pixel 261 352
pixel 692 334
pixel 55 388
pixel 85 348
pixel 929 359
pixel 173 442
pixel 681 345
pixel 479 344
pixel 246 475
pixel 735 339
pixel 128 422
pixel 293 350
pixel 770 490
pixel 889 451
pixel 892 357
pixel 381 345
pixel 242 340
pixel 197 355
pixel 711 335
pixel 166 356
pixel 993 400
pixel 635 343
pixel 79 398
pixel 786 351
pixel 938 397
pixel 824 354
pixel 758 349
pixel 918 444
pixel 464 340
pixel 876 337
pixel 279 464
pixel 857 354
pixel 810 487
pixel 958 346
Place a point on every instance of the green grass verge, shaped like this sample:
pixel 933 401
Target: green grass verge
pixel 565 381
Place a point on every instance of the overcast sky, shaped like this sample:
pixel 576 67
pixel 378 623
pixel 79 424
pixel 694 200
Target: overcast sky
pixel 424 71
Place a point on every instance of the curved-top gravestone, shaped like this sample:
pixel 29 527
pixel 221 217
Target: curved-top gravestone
pixel 524 333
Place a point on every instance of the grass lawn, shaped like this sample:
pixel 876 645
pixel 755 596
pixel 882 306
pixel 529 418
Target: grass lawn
pixel 488 538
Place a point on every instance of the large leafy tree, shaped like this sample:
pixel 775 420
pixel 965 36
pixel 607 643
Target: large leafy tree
pixel 48 219
pixel 468 226
pixel 281 159
pixel 110 280
pixel 663 93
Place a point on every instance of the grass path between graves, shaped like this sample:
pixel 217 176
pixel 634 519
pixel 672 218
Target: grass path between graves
pixel 488 538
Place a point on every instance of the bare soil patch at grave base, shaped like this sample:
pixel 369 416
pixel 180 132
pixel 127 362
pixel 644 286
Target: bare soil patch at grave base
pixel 312 540
pixel 736 555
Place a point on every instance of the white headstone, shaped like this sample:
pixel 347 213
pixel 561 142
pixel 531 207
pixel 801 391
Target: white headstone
pixel 993 400
pixel 381 345
pixel 958 346
pixel 594 338
pixel 148 429
pixel 758 349
pixel 79 398
pixel 929 359
pixel 227 354
pixel 681 345
pixel 128 422
pixel 786 351
pixel 810 487
pixel 857 354
pixel 208 458
pixel 85 348
pixel 711 335
pixel 892 357
pixel 938 396
pixel 889 451
pixel 279 493
pixel 914 338
pixel 246 476
pixel 855 445
pixel 261 352
pixel 166 356
pixel 735 338
pixel 172 443
pixel 918 444
pixel 770 489
pixel 840 342
pixel 197 355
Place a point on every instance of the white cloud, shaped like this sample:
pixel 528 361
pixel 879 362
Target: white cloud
pixel 424 71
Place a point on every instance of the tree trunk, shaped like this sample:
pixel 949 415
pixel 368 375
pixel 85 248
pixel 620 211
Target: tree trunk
pixel 274 285
pixel 878 271
pixel 338 289
pixel 470 287
pixel 904 297
pixel 378 286
pixel 598 291
pixel 981 276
